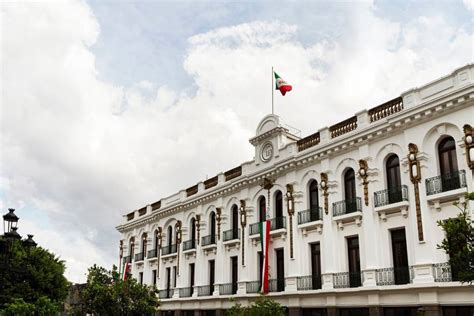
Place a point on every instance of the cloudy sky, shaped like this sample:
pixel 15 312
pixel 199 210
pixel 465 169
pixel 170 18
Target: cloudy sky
pixel 109 105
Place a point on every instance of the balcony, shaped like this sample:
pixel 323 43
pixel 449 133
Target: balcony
pixel 276 285
pixel 189 245
pixel 446 188
pixel 139 257
pixel 347 279
pixel 309 282
pixel 205 290
pixel 168 293
pixel 442 272
pixel 186 292
pixel 152 254
pixel 310 219
pixel 127 259
pixel 232 234
pixel 228 289
pixel 277 225
pixel 208 244
pixel 253 287
pixel 394 276
pixel 347 211
pixel 169 250
pixel 391 200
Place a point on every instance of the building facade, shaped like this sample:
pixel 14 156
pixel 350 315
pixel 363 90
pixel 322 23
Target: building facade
pixel 353 209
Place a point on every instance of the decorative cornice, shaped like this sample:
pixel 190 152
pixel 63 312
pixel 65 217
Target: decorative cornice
pixel 259 138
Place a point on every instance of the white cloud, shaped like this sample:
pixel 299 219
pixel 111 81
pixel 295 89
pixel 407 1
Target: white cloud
pixel 469 4
pixel 83 151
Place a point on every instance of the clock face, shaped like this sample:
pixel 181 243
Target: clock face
pixel 267 152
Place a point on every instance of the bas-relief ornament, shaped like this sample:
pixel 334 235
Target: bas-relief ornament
pixel 415 177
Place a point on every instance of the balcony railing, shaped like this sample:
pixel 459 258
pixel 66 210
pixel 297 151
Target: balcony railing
pixel 347 207
pixel 386 109
pixel 186 292
pixel 390 196
pixel 446 182
pixel 394 276
pixel 253 287
pixel 233 173
pixel 139 256
pixel 347 279
pixel 167 250
pixel 127 259
pixel 276 285
pixel 152 253
pixel 343 127
pixel 205 290
pixel 308 282
pixel 189 244
pixel 228 289
pixel 231 234
pixel 308 141
pixel 442 272
pixel 275 223
pixel 208 240
pixel 168 293
pixel 310 215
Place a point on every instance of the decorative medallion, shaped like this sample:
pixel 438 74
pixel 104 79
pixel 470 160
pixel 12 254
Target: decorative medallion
pixel 267 152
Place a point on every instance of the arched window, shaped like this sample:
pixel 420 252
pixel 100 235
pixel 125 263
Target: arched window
pixel 235 218
pixel 313 196
pixel 448 163
pixel 132 246
pixel 278 204
pixel 193 229
pixel 170 236
pixel 212 223
pixel 155 239
pixel 143 240
pixel 350 191
pixel 262 207
pixel 394 184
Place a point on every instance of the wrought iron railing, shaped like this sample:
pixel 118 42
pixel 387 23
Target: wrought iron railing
pixel 205 290
pixel 310 215
pixel 346 206
pixel 139 256
pixel 208 240
pixel 127 259
pixel 254 228
pixel 253 287
pixel 275 223
pixel 446 182
pixel 228 289
pixel 276 285
pixel 347 279
pixel 186 292
pixel 231 234
pixel 442 272
pixel 152 253
pixel 167 250
pixel 394 276
pixel 168 293
pixel 390 196
pixel 189 244
pixel 308 282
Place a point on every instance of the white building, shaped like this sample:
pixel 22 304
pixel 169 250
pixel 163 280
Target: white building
pixel 354 208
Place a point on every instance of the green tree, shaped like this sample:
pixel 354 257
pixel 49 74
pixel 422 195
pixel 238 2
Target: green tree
pixel 34 276
pixel 262 306
pixel 107 294
pixel 459 242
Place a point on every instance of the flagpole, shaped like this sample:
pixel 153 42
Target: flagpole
pixel 273 85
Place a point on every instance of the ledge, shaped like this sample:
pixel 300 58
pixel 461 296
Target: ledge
pixel 347 218
pixel 228 244
pixel 314 225
pixel 393 208
pixel 436 199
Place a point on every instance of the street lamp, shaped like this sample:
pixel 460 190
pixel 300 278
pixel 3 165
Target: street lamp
pixel 10 220
pixel 29 242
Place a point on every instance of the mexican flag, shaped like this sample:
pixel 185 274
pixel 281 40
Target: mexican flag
pixel 264 238
pixel 281 84
pixel 126 270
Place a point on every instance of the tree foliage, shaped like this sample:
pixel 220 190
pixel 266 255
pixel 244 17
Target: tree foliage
pixel 18 307
pixel 32 276
pixel 262 306
pixel 107 294
pixel 459 242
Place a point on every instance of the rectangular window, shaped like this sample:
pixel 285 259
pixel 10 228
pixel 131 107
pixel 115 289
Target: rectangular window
pixel 211 275
pixel 354 261
pixel 280 263
pixel 234 271
pixel 400 258
pixel 153 277
pixel 259 265
pixel 316 266
pixel 175 274
pixel 140 277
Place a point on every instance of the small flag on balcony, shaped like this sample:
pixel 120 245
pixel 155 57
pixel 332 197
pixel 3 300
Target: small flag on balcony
pixel 281 84
pixel 264 238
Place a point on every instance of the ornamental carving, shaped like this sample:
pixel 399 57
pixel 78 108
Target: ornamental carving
pixel 218 220
pixel 363 169
pixel 415 177
pixel 469 142
pixel 198 227
pixel 243 222
pixel 291 211
pixel 324 187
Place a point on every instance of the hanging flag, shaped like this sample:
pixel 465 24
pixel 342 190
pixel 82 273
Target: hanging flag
pixel 264 238
pixel 281 84
pixel 126 270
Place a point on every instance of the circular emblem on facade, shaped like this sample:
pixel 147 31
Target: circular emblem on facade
pixel 267 152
